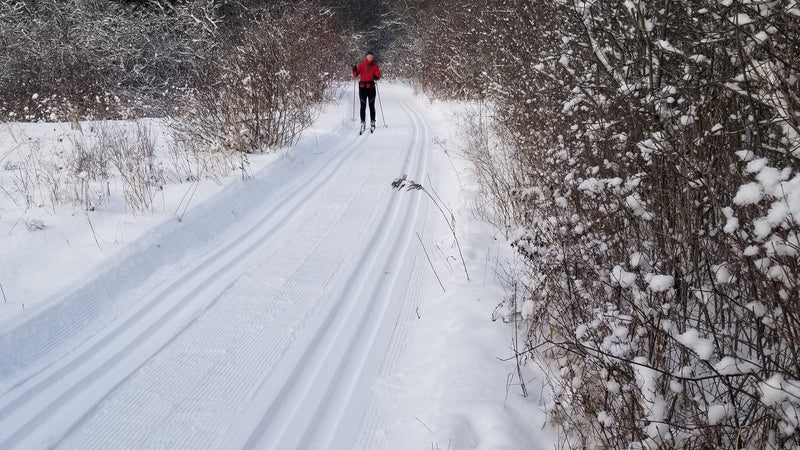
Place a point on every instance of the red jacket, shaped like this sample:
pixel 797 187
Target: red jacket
pixel 368 72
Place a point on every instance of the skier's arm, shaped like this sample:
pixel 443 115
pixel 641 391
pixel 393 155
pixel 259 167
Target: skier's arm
pixel 377 73
pixel 355 70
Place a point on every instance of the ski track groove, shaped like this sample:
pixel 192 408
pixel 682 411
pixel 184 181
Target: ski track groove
pixel 232 322
pixel 381 414
pixel 18 398
pixel 374 417
pixel 401 247
pixel 280 426
pixel 307 288
pixel 103 290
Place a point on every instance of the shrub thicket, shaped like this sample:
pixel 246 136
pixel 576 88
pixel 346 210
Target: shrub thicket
pixel 260 86
pixel 230 77
pixel 644 160
pixel 63 60
pixel 78 59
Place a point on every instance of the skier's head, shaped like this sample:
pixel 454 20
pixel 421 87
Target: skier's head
pixel 370 56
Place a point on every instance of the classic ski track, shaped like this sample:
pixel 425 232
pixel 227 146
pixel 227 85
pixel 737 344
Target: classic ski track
pixel 100 295
pixel 303 408
pixel 391 312
pixel 200 443
pixel 40 398
pixel 200 335
pixel 42 387
pixel 378 417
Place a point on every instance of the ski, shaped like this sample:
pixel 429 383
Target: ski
pixel 364 128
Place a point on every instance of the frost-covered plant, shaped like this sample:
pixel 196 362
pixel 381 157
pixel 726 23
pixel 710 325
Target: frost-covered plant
pixel 90 157
pixel 403 183
pixel 33 225
pixel 24 184
pixel 192 160
pixel 134 159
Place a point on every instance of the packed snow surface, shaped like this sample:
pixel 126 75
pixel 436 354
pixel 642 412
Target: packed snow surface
pixel 308 306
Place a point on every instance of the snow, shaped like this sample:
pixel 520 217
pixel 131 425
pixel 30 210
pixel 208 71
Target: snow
pixel 751 250
pixel 591 185
pixel 748 194
pixel 716 414
pixel 770 179
pixel 654 404
pixel 630 6
pixel 660 283
pixel 623 278
pixel 756 165
pixel 580 332
pixel 729 365
pixel 772 390
pixel 778 212
pixel 740 19
pixel 637 260
pixel 637 207
pixel 721 274
pixel 732 223
pixel 295 308
pixel 761 37
pixel 762 228
pixel 527 309
pixel 691 339
pixel 668 47
pixel 745 155
pixel 605 419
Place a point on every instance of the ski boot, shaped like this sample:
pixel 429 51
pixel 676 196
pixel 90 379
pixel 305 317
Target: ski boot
pixel 372 127
pixel 363 127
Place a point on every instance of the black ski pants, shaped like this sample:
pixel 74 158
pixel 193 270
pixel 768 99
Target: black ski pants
pixel 364 94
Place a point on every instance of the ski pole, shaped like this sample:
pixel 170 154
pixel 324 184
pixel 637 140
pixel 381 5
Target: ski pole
pixel 354 99
pixel 381 105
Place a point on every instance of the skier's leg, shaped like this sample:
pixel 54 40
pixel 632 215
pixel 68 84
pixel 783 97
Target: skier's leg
pixel 372 104
pixel 362 95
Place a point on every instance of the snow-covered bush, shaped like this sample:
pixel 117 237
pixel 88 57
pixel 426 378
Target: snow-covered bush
pixel 87 59
pixel 233 76
pixel 67 60
pixel 260 87
pixel 644 157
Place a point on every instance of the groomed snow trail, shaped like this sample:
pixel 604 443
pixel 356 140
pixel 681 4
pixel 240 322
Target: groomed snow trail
pixel 259 322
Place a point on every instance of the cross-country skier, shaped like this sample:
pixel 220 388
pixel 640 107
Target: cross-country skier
pixel 370 73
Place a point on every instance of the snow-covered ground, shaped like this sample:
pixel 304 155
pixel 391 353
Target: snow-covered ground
pixel 309 306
